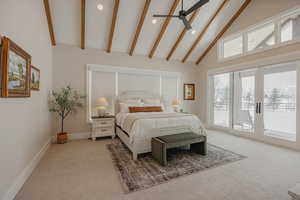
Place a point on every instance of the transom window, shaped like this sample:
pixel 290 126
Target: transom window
pixel 233 47
pixel 277 31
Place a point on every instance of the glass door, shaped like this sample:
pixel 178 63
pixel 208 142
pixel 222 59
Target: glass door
pixel 221 100
pixel 244 101
pixel 260 101
pixel 278 107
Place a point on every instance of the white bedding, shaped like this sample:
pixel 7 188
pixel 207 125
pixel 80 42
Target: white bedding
pixel 147 128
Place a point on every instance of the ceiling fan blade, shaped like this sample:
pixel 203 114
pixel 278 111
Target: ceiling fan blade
pixel 165 15
pixel 186 23
pixel 195 6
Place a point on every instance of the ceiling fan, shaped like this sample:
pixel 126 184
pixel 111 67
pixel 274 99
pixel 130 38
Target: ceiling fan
pixel 183 13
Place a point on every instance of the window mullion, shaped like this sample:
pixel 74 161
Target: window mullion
pixel 245 43
pixel 277 31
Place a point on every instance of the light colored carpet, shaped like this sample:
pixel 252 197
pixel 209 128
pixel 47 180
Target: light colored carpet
pixel 83 170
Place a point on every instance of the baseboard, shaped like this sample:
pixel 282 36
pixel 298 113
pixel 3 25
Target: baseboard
pixel 20 180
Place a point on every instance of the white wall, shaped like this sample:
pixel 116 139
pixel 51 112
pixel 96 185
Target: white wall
pixel 69 68
pixel 24 122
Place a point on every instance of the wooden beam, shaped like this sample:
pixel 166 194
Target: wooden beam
pixel 163 28
pixel 182 34
pixel 113 25
pixel 234 17
pixel 204 31
pixel 49 21
pixel 139 26
pixel 82 45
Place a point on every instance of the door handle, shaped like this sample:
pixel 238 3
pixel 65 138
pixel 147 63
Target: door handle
pixel 256 108
pixel 259 108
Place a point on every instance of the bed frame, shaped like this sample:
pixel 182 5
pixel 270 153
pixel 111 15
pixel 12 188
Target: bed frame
pixel 143 145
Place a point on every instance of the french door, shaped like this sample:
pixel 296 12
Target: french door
pixel 261 102
pixel 278 102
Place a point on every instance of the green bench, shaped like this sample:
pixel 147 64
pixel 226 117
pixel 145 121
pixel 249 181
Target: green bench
pixel 161 144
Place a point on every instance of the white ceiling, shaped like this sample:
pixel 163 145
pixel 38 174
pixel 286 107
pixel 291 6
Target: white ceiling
pixel 66 22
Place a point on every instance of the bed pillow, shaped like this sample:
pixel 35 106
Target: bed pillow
pixel 134 109
pixel 132 101
pixel 124 107
pixel 152 101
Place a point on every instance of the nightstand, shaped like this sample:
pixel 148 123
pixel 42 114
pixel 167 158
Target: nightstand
pixel 103 126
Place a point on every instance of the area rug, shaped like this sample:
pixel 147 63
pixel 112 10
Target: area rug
pixel 146 172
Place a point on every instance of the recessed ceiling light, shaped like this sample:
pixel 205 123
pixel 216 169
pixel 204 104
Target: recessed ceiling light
pixel 193 32
pixel 100 6
pixel 154 21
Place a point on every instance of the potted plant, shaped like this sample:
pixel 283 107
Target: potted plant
pixel 65 102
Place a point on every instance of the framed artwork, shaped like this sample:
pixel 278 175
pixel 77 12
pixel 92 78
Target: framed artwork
pixel 35 78
pixel 189 91
pixel 15 70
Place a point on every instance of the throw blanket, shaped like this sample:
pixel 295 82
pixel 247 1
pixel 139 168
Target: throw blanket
pixel 130 120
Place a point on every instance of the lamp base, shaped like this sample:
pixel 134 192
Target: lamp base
pixel 101 112
pixel 176 108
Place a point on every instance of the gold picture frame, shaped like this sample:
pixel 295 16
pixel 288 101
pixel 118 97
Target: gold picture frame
pixel 189 91
pixel 35 78
pixel 15 70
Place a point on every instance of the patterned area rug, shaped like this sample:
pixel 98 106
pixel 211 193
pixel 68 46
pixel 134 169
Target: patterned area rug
pixel 146 172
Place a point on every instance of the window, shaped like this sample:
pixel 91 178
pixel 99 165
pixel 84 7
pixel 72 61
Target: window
pixel 244 100
pixel 259 102
pixel 221 100
pixel 290 28
pixel 280 104
pixel 271 33
pixel 233 47
pixel 261 37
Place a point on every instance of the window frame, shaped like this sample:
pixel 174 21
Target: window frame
pixel 232 37
pixel 276 20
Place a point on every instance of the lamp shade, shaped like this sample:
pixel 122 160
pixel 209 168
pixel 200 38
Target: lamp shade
pixel 176 102
pixel 102 102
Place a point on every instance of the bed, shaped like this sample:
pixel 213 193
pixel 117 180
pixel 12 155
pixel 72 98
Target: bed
pixel 137 129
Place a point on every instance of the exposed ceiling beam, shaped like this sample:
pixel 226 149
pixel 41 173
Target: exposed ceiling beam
pixel 82 45
pixel 198 39
pixel 234 17
pixel 139 26
pixel 113 25
pixel 182 34
pixel 49 21
pixel 163 28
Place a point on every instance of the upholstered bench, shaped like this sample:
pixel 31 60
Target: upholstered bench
pixel 161 144
pixel 295 192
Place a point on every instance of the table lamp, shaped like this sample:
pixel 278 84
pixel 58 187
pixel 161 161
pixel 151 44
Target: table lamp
pixel 176 104
pixel 101 106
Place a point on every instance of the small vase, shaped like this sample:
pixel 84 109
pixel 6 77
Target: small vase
pixel 62 138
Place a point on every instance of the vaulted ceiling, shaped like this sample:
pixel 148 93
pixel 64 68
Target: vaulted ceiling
pixel 126 26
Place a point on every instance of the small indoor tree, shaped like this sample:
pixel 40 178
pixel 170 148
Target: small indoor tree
pixel 64 102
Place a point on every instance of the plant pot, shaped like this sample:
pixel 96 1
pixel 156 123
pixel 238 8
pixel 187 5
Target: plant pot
pixel 62 138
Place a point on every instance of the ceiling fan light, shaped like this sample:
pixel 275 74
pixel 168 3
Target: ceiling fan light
pixel 154 21
pixel 100 6
pixel 193 32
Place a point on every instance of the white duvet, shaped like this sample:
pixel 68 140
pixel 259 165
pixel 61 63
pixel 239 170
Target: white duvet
pixel 147 128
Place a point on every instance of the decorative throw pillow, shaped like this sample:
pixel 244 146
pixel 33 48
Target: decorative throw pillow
pixel 133 109
pixel 155 105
